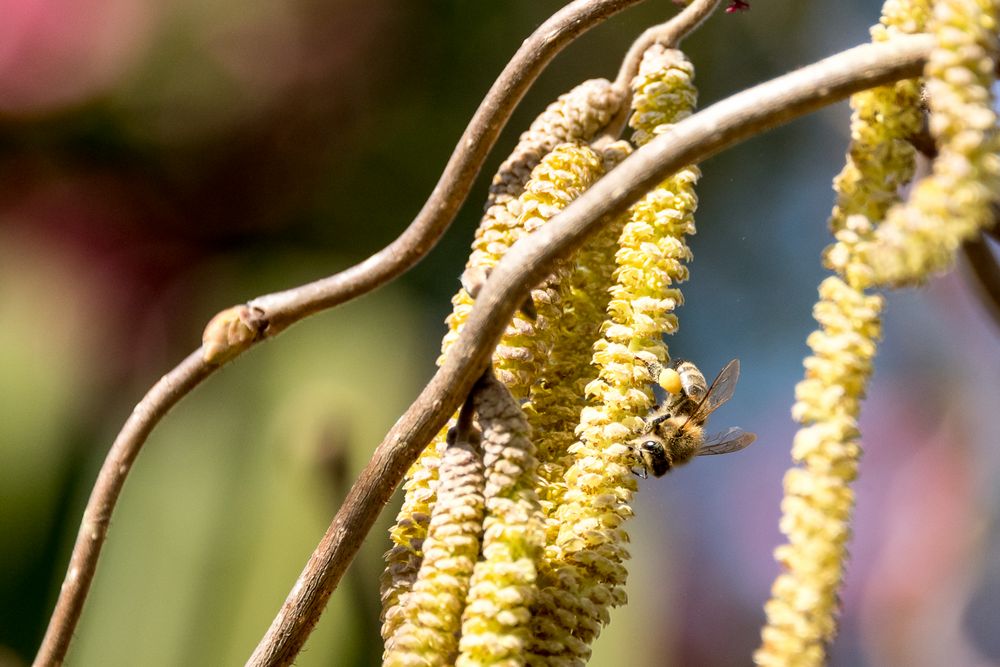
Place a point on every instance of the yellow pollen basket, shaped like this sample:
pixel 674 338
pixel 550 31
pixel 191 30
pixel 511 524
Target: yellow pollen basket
pixel 670 380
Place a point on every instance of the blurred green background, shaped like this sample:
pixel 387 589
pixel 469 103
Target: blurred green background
pixel 162 160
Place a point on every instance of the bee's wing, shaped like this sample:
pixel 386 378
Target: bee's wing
pixel 721 390
pixel 732 440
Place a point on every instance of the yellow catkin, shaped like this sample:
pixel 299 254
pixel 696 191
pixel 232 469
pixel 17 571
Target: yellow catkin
pixel 432 608
pixel 495 624
pixel 584 568
pixel 560 178
pixel 920 237
pixel 407 536
pixel 801 614
pixel 556 397
pixel 577 115
pixel 881 158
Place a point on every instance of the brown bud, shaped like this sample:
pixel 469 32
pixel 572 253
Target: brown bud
pixel 231 332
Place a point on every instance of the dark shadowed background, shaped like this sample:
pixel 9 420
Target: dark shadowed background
pixel 162 160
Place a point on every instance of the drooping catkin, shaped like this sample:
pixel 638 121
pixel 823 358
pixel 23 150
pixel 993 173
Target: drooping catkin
pixel 432 609
pixel 407 536
pixel 495 624
pixel 577 115
pixel 921 236
pixel 880 159
pixel 583 571
pixel 556 397
pixel 558 179
pixel 816 509
pixel 801 614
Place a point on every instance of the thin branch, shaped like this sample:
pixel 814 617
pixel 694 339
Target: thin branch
pixel 669 34
pixel 984 273
pixel 275 312
pixel 97 515
pixel 692 140
pixel 284 308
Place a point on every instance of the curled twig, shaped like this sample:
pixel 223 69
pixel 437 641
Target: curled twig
pixel 669 34
pixel 171 388
pixel 692 140
pixel 268 315
pixel 287 307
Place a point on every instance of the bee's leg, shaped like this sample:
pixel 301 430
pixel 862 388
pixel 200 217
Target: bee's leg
pixel 666 377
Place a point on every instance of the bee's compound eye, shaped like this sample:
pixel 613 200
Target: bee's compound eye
pixel 651 446
pixel 670 380
pixel 654 457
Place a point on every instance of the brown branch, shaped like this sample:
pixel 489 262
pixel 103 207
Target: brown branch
pixel 693 139
pixel 94 527
pixel 274 312
pixel 669 34
pixel 984 273
pixel 284 308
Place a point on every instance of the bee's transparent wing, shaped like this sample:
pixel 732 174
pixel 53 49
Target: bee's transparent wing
pixel 732 440
pixel 721 391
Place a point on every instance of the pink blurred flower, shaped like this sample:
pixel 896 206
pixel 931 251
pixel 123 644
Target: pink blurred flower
pixel 55 53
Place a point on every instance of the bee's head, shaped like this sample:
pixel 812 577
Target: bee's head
pixel 653 454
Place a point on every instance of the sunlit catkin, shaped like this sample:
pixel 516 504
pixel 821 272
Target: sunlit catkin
pixel 584 569
pixel 816 509
pixel 407 536
pixel 801 614
pixel 577 115
pixel 495 624
pixel 431 610
pixel 562 176
pixel 954 202
pixel 880 159
pixel 557 395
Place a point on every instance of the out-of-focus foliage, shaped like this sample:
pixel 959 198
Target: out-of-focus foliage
pixel 162 160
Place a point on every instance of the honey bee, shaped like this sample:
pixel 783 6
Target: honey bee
pixel 674 432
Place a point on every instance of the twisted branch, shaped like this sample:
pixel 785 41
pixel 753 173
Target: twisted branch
pixel 669 34
pixel 692 140
pixel 287 307
pixel 168 390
